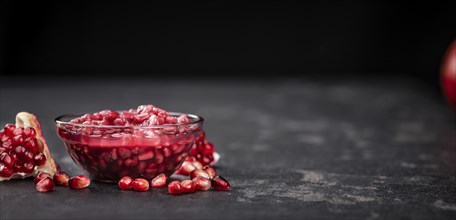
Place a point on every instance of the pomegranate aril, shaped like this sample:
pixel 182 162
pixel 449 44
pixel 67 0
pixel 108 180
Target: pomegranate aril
pixel 19 150
pixel 28 168
pixel 18 139
pixel 198 165
pixel 45 185
pixel 18 131
pixel 210 171
pixel 7 160
pixel 29 132
pixel 61 178
pixel 40 176
pixel 220 183
pixel 175 188
pixel 29 156
pixel 31 144
pixel 79 182
pixel 9 128
pixel 125 183
pixel 202 183
pixel 187 168
pixel 159 181
pixel 199 173
pixel 188 186
pixel 6 172
pixel 40 159
pixel 140 184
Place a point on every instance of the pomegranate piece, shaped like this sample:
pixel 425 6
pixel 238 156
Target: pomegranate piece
pixel 197 173
pixel 40 176
pixel 210 171
pixel 202 183
pixel 61 178
pixel 220 183
pixel 45 185
pixel 175 188
pixel 125 183
pixel 79 182
pixel 159 181
pixel 23 150
pixel 140 185
pixel 188 186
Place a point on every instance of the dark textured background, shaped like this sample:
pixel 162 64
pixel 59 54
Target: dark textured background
pixel 363 148
pixel 322 110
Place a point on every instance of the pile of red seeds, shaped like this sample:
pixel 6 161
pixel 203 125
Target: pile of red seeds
pixel 201 178
pixel 19 151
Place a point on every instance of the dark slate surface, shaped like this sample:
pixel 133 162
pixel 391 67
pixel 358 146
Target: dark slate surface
pixel 372 148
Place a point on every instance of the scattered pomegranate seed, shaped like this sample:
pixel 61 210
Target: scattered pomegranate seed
pixel 202 183
pixel 159 181
pixel 197 173
pixel 220 183
pixel 45 185
pixel 61 178
pixel 187 168
pixel 140 184
pixel 210 171
pixel 40 176
pixel 125 183
pixel 175 188
pixel 188 186
pixel 198 165
pixel 79 182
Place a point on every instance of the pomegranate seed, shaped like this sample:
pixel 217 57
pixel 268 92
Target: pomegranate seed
pixel 198 165
pixel 17 140
pixel 220 183
pixel 30 132
pixel 19 150
pixel 18 131
pixel 31 144
pixel 7 160
pixel 197 173
pixel 125 183
pixel 140 184
pixel 183 119
pixel 210 171
pixel 159 181
pixel 202 183
pixel 79 182
pixel 188 186
pixel 45 185
pixel 40 176
pixel 29 156
pixel 6 172
pixel 175 188
pixel 40 159
pixel 28 167
pixel 187 168
pixel 9 128
pixel 61 178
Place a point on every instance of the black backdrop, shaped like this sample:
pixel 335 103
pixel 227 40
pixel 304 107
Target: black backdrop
pixel 234 39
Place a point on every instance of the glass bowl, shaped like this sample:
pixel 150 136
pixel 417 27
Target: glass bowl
pixel 108 152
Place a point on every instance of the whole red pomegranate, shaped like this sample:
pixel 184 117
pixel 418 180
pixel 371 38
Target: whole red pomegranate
pixel 448 74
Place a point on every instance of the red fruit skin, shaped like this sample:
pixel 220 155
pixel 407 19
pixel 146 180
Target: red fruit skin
pixel 448 75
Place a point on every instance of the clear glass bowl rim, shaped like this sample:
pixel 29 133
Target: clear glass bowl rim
pixel 194 120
